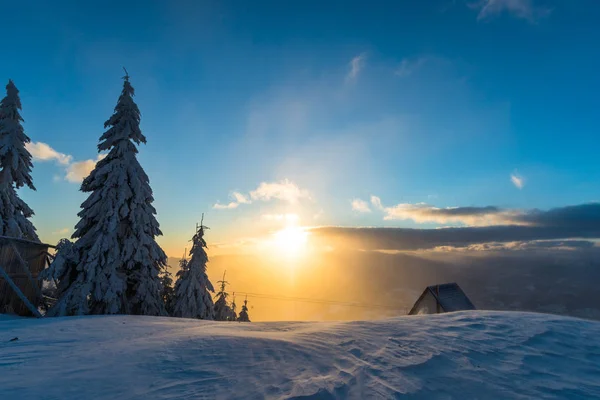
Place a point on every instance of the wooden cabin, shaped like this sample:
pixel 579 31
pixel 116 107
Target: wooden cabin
pixel 443 298
pixel 21 261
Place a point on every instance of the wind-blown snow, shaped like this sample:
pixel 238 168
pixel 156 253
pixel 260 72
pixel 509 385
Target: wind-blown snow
pixel 466 355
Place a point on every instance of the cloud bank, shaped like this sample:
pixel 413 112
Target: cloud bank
pixel 571 222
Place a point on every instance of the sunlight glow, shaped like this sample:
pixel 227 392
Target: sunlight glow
pixel 290 241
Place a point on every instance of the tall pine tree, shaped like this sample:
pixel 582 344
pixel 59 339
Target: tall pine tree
pixel 15 169
pixel 116 245
pixel 192 298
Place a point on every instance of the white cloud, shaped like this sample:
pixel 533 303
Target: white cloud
pixel 228 206
pixel 360 206
pixel 43 152
pixel 284 190
pixel 240 198
pixel 356 65
pixel 517 180
pixel 74 171
pixel 376 201
pixel 409 66
pixel 525 9
pixel 62 231
pixel 78 171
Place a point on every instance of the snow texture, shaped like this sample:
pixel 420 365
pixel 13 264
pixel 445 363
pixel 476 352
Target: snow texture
pixel 117 253
pixel 15 169
pixel 192 297
pixel 464 355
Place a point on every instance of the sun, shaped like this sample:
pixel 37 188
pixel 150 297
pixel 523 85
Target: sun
pixel 290 241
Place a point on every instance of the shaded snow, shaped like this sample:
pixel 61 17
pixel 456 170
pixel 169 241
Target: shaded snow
pixel 462 355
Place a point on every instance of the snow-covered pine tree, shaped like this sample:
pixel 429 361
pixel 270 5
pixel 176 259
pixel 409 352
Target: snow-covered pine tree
pixel 233 314
pixel 167 288
pixel 222 309
pixel 116 245
pixel 71 288
pixel 192 298
pixel 15 169
pixel 243 317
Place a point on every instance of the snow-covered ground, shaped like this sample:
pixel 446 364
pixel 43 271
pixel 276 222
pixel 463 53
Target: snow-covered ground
pixel 466 355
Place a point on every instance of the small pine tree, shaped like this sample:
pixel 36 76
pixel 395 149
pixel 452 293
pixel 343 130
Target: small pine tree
pixel 166 281
pixel 244 312
pixel 71 289
pixel 222 309
pixel 233 314
pixel 116 246
pixel 15 169
pixel 192 298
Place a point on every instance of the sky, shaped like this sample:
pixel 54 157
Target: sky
pixel 339 114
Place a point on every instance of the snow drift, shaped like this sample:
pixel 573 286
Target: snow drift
pixel 475 354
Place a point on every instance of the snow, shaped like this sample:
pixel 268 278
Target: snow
pixel 472 354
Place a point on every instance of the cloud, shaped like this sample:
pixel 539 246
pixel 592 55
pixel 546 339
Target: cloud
pixel 238 197
pixel 356 65
pixel 409 66
pixel 524 9
pixel 517 180
pixel 62 231
pixel 43 152
pixel 78 171
pixel 570 222
pixel 422 213
pixel 360 206
pixel 376 201
pixel 283 190
pixel 228 206
pixel 75 172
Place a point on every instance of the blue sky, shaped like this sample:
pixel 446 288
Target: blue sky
pixel 303 107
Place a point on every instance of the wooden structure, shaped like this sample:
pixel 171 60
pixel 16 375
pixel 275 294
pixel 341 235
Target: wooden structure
pixel 444 298
pixel 21 261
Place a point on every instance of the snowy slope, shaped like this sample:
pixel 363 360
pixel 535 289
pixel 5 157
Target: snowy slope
pixel 467 355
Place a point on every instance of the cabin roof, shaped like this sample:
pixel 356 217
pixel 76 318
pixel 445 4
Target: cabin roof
pixel 449 296
pixel 25 241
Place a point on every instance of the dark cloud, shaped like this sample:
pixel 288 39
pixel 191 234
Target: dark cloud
pixel 584 216
pixel 581 222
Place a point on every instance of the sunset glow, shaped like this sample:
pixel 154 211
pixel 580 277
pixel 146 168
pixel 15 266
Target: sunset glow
pixel 290 241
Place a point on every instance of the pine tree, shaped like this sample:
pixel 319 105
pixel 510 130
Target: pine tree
pixel 192 298
pixel 116 245
pixel 15 169
pixel 166 281
pixel 71 289
pixel 244 312
pixel 222 309
pixel 233 314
